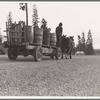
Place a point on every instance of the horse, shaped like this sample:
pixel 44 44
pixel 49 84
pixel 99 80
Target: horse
pixel 67 44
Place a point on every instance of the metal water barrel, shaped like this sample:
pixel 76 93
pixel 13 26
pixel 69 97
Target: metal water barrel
pixel 29 34
pixel 38 36
pixel 46 37
pixel 53 39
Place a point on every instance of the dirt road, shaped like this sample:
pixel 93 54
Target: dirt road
pixel 79 76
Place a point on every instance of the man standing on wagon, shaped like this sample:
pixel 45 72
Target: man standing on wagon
pixel 59 31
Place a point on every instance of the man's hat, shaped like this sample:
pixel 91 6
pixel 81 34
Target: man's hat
pixel 60 24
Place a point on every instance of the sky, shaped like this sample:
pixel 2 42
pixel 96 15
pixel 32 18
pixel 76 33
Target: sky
pixel 77 17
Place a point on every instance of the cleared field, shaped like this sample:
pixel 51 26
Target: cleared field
pixel 79 76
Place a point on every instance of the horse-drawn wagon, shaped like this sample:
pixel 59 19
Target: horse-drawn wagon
pixel 27 40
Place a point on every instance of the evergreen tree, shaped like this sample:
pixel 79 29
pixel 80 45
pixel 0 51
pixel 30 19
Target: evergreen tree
pixel 83 42
pixel 35 16
pixel 9 19
pixel 83 38
pixel 79 43
pixel 89 38
pixel 89 44
pixel 44 24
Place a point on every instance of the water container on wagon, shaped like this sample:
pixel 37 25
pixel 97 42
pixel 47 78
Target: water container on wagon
pixel 46 37
pixel 29 34
pixel 53 39
pixel 38 36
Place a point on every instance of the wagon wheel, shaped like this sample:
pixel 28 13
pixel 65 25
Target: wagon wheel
pixel 58 53
pixel 12 54
pixel 38 54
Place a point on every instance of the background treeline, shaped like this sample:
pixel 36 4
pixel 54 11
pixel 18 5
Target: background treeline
pixel 85 45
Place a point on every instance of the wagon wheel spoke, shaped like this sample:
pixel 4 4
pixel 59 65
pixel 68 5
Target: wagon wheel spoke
pixel 38 54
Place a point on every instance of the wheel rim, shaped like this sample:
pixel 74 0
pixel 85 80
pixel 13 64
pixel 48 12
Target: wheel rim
pixel 12 54
pixel 39 54
pixel 59 54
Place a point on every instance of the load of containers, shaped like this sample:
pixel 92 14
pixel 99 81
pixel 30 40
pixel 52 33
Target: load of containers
pixel 20 33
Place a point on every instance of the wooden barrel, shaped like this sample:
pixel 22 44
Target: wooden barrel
pixel 46 37
pixel 38 36
pixel 53 39
pixel 29 34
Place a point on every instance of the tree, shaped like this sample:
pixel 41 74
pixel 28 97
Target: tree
pixel 89 44
pixel 9 19
pixel 83 42
pixel 35 16
pixel 44 24
pixel 79 43
pixel 83 38
pixel 89 37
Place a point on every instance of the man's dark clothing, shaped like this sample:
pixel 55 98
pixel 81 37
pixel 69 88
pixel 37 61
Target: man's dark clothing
pixel 59 35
